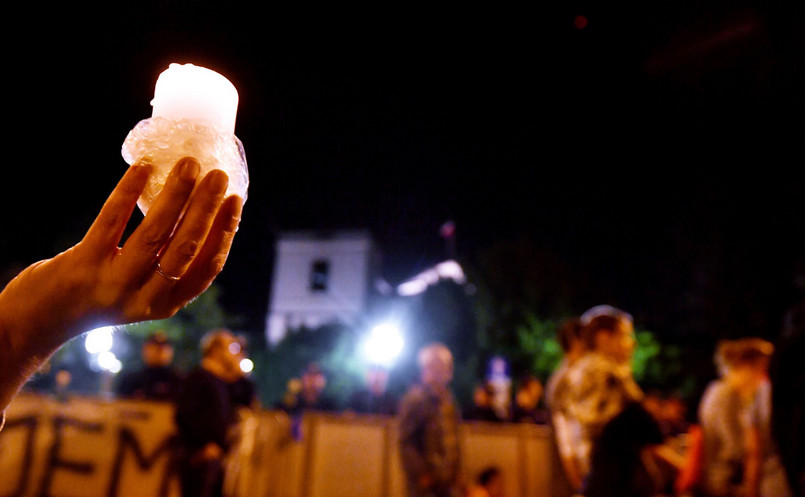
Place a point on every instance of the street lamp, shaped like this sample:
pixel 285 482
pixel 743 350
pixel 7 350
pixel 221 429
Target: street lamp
pixel 383 344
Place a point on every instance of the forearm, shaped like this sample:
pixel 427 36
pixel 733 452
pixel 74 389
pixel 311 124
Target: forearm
pixel 572 471
pixel 566 451
pixel 668 455
pixel 28 334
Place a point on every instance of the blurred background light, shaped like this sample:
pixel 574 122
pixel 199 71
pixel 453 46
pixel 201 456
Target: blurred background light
pixel 246 365
pixel 447 270
pixel 108 362
pixel 383 344
pixel 99 340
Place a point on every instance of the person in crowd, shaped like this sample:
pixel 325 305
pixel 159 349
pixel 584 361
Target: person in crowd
pixel 742 365
pixel 669 411
pixel 375 398
pixel 244 390
pixel 788 398
pixel 291 395
pixel 205 416
pixel 499 380
pixel 566 431
pixel 428 428
pixel 674 416
pixel 488 484
pixel 765 476
pixel 310 395
pixel 600 383
pixel 245 403
pixel 653 402
pixel 569 338
pixel 481 409
pixel 288 404
pixel 97 283
pixel 156 380
pixel 526 402
pixel 623 448
pixel 44 381
pixel 622 461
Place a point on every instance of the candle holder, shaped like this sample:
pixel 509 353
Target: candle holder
pixel 194 111
pixel 162 142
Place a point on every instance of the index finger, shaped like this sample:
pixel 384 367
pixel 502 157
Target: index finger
pixel 107 229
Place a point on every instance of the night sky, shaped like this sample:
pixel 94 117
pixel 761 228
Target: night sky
pixel 658 148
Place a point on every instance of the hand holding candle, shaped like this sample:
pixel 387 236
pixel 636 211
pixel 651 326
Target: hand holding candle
pixel 172 256
pixel 194 111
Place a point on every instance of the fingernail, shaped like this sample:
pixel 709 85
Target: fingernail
pixel 188 168
pixel 218 181
pixel 236 206
pixel 143 167
pixel 238 212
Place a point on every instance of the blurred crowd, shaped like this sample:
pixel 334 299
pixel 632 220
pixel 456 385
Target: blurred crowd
pixel 615 439
pixel 612 438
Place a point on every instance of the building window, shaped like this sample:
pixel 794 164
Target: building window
pixel 319 275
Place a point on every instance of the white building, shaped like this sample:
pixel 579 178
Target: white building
pixel 321 278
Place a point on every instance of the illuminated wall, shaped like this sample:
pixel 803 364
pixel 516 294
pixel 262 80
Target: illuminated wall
pixel 320 279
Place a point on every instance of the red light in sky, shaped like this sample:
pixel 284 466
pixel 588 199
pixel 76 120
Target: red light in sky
pixel 580 22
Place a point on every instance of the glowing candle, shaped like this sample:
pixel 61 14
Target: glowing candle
pixel 186 91
pixel 194 110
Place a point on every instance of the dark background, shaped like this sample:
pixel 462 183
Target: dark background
pixel 658 150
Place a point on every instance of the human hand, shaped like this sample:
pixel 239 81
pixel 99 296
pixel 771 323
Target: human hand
pixel 187 234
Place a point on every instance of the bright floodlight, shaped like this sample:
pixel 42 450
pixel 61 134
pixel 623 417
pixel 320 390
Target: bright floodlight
pixel 246 365
pixel 99 340
pixel 108 362
pixel 384 344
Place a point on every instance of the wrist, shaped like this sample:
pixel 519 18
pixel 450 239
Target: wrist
pixel 35 319
pixel 42 307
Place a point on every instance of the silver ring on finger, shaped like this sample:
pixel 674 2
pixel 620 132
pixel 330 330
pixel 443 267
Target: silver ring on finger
pixel 165 275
